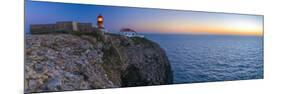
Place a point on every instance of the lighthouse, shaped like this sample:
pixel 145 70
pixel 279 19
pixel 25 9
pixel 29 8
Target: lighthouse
pixel 100 22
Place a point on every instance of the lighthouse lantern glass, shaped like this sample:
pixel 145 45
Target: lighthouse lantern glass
pixel 99 19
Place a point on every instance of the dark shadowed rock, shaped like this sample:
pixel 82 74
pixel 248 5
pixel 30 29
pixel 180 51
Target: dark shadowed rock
pixel 132 77
pixel 57 62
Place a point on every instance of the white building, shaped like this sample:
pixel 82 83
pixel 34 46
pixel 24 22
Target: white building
pixel 129 32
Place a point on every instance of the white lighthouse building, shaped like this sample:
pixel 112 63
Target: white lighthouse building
pixel 129 32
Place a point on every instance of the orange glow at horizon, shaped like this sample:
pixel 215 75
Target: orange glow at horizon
pixel 234 28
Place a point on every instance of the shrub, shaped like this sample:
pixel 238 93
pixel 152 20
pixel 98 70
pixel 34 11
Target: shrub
pixel 143 41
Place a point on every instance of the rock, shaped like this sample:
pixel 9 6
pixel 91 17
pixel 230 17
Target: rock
pixel 32 83
pixel 145 58
pixel 39 68
pixel 132 77
pixel 53 84
pixel 58 62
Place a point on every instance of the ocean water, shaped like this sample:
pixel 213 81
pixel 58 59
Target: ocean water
pixel 204 58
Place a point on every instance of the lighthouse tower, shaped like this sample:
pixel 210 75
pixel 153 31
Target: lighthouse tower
pixel 100 22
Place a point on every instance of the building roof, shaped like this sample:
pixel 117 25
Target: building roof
pixel 127 30
pixel 65 22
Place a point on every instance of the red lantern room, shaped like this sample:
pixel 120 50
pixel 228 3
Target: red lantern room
pixel 100 22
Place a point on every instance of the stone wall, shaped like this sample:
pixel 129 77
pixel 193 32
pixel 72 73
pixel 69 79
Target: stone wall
pixel 61 26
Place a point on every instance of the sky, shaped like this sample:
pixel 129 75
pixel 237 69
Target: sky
pixel 145 20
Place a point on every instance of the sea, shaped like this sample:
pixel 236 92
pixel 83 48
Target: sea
pixel 206 58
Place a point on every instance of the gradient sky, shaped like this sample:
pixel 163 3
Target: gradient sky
pixel 145 20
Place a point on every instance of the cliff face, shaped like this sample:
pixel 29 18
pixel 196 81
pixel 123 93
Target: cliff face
pixel 58 62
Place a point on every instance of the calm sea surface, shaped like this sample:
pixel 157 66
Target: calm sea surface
pixel 202 58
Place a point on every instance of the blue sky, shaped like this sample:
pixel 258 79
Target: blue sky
pixel 144 20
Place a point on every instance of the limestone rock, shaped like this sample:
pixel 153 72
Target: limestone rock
pixel 58 62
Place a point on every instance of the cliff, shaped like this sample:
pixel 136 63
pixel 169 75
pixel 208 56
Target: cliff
pixel 59 62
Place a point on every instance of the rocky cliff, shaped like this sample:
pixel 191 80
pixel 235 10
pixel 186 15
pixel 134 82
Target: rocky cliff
pixel 58 62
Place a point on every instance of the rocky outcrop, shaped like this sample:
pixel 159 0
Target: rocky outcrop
pixel 58 62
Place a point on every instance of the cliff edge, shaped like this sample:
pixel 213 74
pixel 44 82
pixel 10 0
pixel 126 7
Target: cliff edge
pixel 59 62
